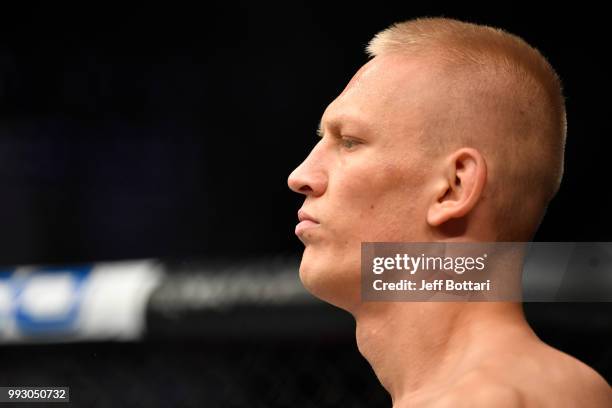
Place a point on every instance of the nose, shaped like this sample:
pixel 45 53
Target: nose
pixel 310 177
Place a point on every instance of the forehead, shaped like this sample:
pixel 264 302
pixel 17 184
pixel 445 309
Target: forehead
pixel 386 89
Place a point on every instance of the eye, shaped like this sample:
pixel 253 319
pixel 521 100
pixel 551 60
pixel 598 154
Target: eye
pixel 348 143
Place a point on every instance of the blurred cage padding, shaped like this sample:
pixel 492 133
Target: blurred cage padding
pixel 149 298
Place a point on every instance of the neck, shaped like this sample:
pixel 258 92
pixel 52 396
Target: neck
pixel 415 347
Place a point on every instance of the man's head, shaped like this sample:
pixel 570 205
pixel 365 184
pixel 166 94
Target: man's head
pixel 452 131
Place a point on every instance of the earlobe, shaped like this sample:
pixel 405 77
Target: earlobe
pixel 460 187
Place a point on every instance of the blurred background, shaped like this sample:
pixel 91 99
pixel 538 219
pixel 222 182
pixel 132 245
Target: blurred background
pixel 144 152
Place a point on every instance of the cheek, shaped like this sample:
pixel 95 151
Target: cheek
pixel 367 181
pixel 375 202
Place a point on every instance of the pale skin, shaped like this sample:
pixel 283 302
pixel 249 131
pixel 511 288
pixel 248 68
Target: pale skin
pixel 368 179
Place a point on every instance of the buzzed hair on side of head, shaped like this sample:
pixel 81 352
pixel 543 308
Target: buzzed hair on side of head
pixel 505 88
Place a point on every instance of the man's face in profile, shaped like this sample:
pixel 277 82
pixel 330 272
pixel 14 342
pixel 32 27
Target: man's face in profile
pixel 366 179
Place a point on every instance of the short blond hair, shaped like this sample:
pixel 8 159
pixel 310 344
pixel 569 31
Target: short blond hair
pixel 510 84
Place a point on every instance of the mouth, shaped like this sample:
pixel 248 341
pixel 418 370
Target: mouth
pixel 306 222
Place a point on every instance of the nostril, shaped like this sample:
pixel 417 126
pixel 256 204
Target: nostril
pixel 305 189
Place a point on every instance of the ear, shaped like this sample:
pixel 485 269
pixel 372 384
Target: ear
pixel 459 188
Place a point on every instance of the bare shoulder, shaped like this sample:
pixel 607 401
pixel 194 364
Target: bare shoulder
pixel 575 380
pixel 545 377
pixel 480 391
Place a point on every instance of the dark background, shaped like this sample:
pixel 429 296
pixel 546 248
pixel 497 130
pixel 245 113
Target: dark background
pixel 159 131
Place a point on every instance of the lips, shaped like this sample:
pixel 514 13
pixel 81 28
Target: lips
pixel 304 216
pixel 306 222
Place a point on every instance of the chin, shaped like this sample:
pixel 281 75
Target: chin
pixel 329 281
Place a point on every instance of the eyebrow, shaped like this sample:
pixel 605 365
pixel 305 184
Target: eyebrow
pixel 320 129
pixel 338 123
